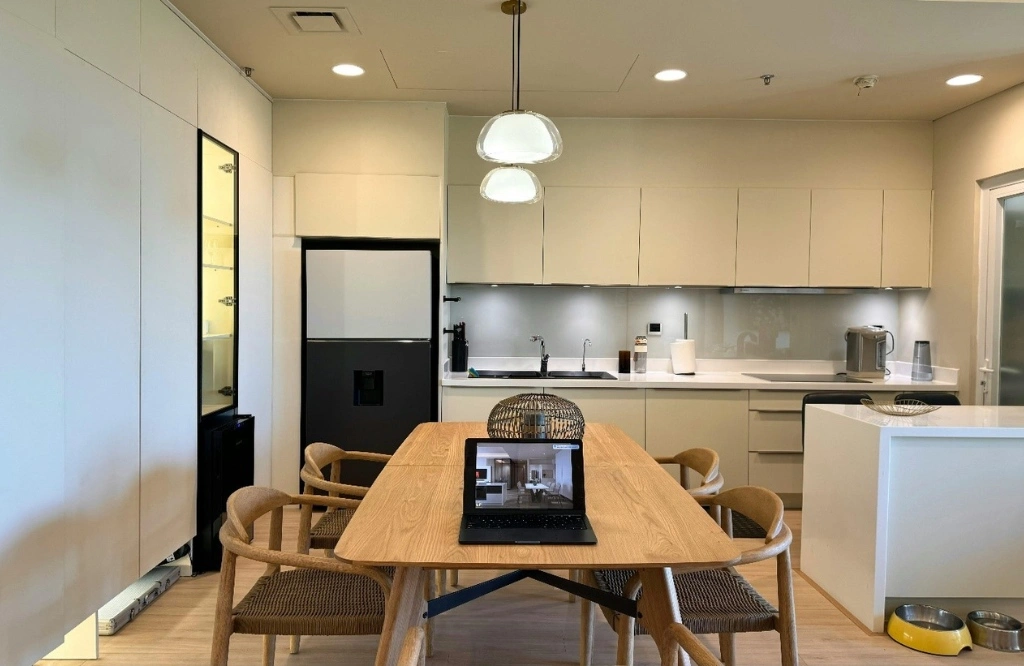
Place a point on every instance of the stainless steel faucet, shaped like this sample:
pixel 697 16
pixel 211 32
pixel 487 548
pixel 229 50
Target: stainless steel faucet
pixel 586 343
pixel 543 353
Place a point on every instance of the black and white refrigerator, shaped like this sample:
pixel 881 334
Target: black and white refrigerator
pixel 370 345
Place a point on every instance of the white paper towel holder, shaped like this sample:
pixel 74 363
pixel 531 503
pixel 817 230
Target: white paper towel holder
pixel 683 352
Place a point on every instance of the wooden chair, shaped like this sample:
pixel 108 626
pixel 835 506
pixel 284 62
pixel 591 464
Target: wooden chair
pixel 704 462
pixel 328 528
pixel 319 597
pixel 715 601
pixel 698 652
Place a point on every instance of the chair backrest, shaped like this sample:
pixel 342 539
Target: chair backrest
pixel 702 461
pixel 931 397
pixel 828 398
pixel 321 454
pixel 763 507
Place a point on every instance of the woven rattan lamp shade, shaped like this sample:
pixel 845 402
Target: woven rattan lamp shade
pixel 535 416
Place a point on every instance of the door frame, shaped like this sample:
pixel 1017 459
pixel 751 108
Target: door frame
pixel 990 282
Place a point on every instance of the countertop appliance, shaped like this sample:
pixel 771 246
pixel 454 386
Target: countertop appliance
pixel 831 379
pixel 370 348
pixel 866 350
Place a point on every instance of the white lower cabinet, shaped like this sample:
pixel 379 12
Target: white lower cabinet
pixel 469 403
pixel 782 473
pixel 679 420
pixel 621 407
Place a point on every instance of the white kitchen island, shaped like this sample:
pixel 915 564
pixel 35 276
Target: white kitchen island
pixel 927 508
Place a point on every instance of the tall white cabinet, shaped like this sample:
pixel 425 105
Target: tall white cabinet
pixel 99 412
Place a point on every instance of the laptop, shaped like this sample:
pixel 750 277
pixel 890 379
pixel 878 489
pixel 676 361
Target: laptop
pixel 524 491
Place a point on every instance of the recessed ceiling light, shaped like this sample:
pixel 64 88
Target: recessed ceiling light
pixel 964 80
pixel 346 69
pixel 670 75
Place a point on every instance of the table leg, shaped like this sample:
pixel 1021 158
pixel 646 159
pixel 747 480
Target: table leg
pixel 659 608
pixel 405 609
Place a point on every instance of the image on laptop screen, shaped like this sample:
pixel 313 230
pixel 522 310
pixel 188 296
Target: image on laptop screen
pixel 524 476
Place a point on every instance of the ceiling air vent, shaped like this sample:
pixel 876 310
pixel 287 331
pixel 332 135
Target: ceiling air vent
pixel 315 20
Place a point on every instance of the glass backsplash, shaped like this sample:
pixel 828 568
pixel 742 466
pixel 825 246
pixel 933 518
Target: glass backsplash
pixel 500 320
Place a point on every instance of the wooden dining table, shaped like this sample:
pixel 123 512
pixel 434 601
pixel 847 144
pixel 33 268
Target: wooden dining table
pixel 643 519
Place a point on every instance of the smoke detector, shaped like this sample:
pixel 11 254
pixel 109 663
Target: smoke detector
pixel 865 82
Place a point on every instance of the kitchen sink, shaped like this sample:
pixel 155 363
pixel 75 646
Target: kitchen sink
pixel 508 374
pixel 533 374
pixel 580 374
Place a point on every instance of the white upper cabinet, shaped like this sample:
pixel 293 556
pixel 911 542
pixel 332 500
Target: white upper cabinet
pixel 773 237
pixel 170 61
pixel 254 122
pixel 688 236
pixel 591 235
pixel 846 238
pixel 218 97
pixel 367 206
pixel 491 242
pixel 906 238
pixel 104 33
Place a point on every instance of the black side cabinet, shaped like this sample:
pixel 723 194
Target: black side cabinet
pixel 226 453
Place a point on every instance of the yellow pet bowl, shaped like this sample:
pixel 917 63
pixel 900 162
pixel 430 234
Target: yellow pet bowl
pixel 929 629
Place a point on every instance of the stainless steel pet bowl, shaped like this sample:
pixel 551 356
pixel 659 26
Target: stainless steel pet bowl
pixel 929 629
pixel 996 631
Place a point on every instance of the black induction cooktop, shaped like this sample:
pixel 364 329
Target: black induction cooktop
pixel 827 379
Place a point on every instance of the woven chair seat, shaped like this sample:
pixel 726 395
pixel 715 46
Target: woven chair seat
pixel 310 602
pixel 717 601
pixel 328 529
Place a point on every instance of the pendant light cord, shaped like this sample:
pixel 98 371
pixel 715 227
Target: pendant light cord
pixel 513 63
pixel 519 48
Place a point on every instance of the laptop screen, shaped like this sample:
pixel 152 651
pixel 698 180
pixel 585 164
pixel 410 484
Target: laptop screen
pixel 523 475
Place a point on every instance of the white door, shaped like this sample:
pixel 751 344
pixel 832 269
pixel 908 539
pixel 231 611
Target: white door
pixel 1001 298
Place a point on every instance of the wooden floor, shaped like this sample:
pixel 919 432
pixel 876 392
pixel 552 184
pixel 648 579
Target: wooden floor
pixel 527 623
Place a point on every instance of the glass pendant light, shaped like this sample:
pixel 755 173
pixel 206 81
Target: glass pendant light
pixel 511 184
pixel 517 136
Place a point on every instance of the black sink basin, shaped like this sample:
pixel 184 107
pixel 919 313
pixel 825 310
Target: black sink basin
pixel 508 374
pixel 580 374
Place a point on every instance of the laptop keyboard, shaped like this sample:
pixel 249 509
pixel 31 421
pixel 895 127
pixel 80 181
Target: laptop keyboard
pixel 528 521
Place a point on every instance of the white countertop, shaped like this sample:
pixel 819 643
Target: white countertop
pixel 722 374
pixel 947 421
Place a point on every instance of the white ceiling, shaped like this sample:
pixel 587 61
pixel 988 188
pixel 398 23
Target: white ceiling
pixel 597 57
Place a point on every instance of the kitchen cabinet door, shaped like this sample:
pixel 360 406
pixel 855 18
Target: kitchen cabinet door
pixel 781 473
pixel 469 403
pixel 32 397
pixel 491 242
pixel 591 235
pixel 218 97
pixel 621 407
pixel 846 238
pixel 688 236
pixel 102 292
pixel 367 206
pixel 773 238
pixel 906 238
pixel 170 61
pixel 254 123
pixel 104 33
pixel 683 419
pixel 170 324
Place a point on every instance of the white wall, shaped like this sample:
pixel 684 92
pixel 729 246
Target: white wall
pixel 363 138
pixel 971 145
pixel 98 415
pixel 718 153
